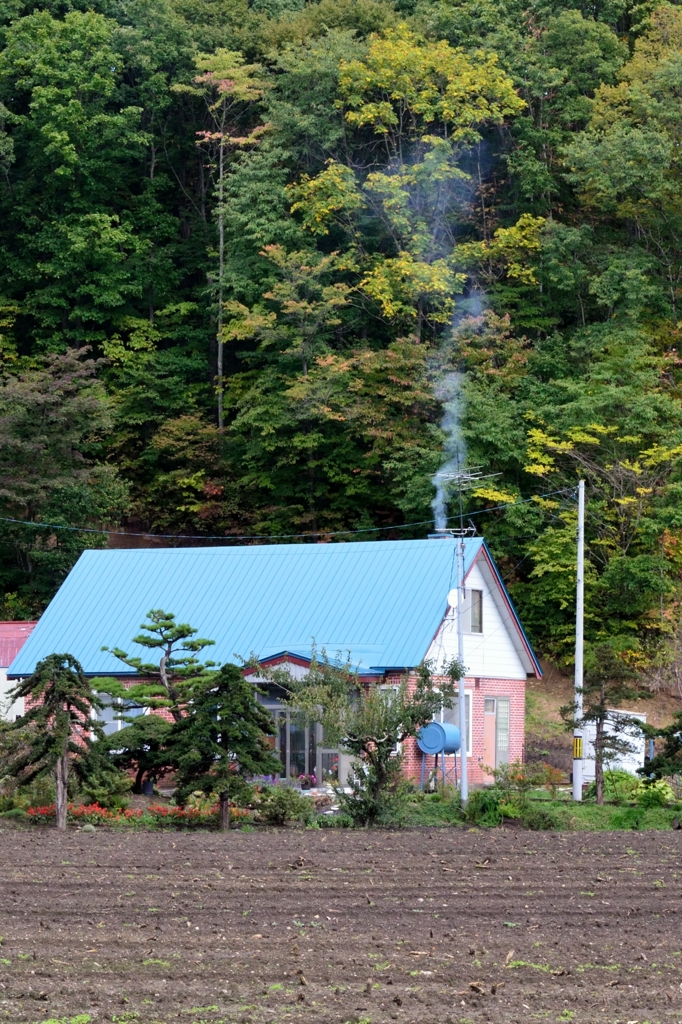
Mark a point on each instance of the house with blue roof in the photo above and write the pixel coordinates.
(383, 604)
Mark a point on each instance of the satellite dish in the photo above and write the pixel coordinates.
(452, 598)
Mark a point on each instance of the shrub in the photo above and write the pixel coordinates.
(40, 791)
(156, 815)
(13, 812)
(100, 781)
(81, 813)
(200, 801)
(189, 817)
(511, 809)
(619, 786)
(95, 814)
(334, 821)
(368, 804)
(654, 794)
(539, 819)
(279, 804)
(516, 780)
(483, 807)
(552, 779)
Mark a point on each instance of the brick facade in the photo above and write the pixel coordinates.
(480, 688)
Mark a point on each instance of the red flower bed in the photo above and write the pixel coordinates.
(158, 814)
(91, 813)
(40, 813)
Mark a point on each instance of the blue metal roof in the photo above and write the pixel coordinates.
(381, 601)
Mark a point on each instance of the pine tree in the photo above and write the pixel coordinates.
(141, 747)
(57, 728)
(167, 683)
(221, 742)
(609, 683)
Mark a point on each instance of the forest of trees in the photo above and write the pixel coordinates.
(250, 253)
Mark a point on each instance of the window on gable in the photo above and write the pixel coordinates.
(476, 611)
(472, 611)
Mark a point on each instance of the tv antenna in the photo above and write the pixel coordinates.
(465, 479)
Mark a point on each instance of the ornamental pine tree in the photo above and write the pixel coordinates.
(167, 683)
(141, 748)
(221, 742)
(57, 728)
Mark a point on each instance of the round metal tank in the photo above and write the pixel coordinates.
(438, 737)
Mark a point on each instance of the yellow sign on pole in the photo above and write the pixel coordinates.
(577, 748)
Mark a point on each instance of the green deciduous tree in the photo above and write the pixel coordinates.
(74, 267)
(227, 84)
(422, 160)
(369, 722)
(53, 417)
(425, 104)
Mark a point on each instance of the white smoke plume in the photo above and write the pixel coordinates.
(449, 391)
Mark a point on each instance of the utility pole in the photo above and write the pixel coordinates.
(463, 724)
(579, 621)
(463, 479)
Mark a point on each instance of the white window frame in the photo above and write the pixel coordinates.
(119, 724)
(466, 612)
(398, 748)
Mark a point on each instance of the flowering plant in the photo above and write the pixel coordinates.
(154, 814)
(87, 813)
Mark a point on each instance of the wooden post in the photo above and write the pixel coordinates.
(62, 778)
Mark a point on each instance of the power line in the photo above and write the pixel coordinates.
(267, 536)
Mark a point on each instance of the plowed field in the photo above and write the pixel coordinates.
(424, 926)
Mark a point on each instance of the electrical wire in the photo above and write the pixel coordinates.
(266, 536)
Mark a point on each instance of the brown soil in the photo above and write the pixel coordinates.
(556, 689)
(423, 926)
(546, 737)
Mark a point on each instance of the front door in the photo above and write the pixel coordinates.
(495, 733)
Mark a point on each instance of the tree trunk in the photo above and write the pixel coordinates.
(224, 823)
(599, 760)
(62, 778)
(175, 711)
(137, 785)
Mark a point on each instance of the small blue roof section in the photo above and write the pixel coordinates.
(381, 601)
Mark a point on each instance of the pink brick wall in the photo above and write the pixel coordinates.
(515, 690)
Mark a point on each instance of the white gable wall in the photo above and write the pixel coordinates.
(9, 711)
(494, 653)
